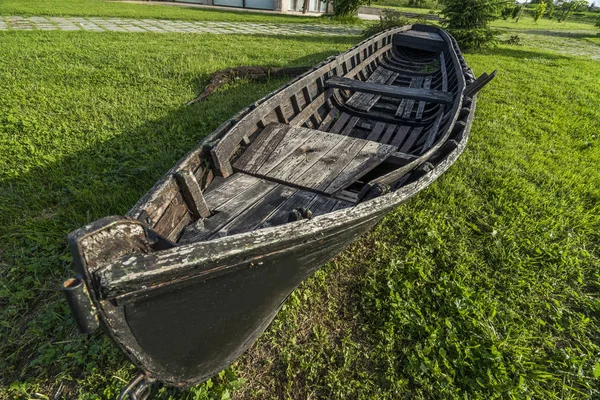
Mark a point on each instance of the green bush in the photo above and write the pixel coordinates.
(388, 19)
(516, 11)
(343, 8)
(468, 21)
(506, 12)
(540, 10)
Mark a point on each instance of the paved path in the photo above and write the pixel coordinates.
(97, 24)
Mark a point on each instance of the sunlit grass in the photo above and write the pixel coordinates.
(486, 285)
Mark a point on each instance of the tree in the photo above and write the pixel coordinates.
(506, 12)
(347, 8)
(516, 11)
(540, 10)
(551, 9)
(568, 6)
(468, 21)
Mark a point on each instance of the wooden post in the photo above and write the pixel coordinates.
(192, 195)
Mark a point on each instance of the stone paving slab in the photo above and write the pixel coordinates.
(97, 24)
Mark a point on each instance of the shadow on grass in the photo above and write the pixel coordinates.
(522, 54)
(39, 208)
(565, 34)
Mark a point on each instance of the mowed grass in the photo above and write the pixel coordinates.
(87, 124)
(106, 8)
(486, 285)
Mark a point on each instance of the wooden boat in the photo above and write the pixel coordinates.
(199, 267)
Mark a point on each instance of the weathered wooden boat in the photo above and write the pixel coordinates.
(195, 272)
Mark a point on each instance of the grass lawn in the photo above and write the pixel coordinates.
(486, 285)
(105, 8)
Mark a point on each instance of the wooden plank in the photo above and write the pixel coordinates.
(400, 159)
(391, 77)
(304, 157)
(339, 124)
(479, 83)
(252, 217)
(346, 196)
(228, 211)
(412, 138)
(300, 199)
(428, 41)
(444, 72)
(421, 35)
(421, 106)
(293, 139)
(433, 131)
(178, 229)
(371, 155)
(376, 132)
(262, 147)
(433, 96)
(228, 188)
(322, 205)
(357, 99)
(410, 103)
(388, 134)
(400, 135)
(351, 124)
(341, 204)
(311, 108)
(326, 169)
(329, 118)
(404, 102)
(175, 211)
(192, 195)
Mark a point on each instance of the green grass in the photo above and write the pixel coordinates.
(527, 23)
(405, 6)
(485, 286)
(87, 124)
(104, 8)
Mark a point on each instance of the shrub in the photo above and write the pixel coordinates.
(468, 21)
(540, 10)
(598, 22)
(516, 11)
(388, 19)
(506, 12)
(344, 8)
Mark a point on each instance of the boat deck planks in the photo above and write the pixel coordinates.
(243, 203)
(327, 163)
(366, 101)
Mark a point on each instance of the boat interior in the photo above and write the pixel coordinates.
(366, 125)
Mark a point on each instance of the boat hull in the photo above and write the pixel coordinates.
(182, 313)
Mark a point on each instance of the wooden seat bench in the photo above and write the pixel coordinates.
(310, 159)
(432, 96)
(430, 41)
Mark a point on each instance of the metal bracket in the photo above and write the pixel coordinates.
(139, 388)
